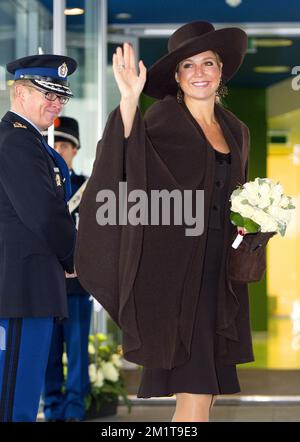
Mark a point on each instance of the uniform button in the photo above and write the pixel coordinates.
(215, 207)
(219, 183)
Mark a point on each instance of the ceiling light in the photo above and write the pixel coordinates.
(233, 3)
(272, 69)
(279, 29)
(74, 11)
(159, 32)
(272, 42)
(123, 16)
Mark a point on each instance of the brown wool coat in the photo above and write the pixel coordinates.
(148, 278)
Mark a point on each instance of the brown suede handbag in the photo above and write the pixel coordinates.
(247, 263)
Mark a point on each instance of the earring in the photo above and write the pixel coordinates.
(179, 95)
(222, 90)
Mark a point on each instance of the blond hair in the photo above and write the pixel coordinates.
(13, 88)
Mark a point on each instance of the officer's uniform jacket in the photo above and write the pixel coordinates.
(37, 233)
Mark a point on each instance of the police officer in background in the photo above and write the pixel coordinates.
(68, 404)
(37, 232)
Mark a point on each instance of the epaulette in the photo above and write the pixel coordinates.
(17, 124)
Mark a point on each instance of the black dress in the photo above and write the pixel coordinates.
(203, 373)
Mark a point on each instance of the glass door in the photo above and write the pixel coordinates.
(26, 26)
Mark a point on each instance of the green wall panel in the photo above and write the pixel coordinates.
(250, 106)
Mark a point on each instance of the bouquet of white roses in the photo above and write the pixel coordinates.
(260, 206)
(105, 363)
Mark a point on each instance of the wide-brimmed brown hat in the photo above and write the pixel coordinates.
(191, 39)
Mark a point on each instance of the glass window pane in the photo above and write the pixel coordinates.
(82, 44)
(26, 26)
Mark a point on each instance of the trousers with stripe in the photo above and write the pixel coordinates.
(64, 399)
(24, 350)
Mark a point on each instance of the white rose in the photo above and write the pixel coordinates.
(259, 217)
(116, 360)
(250, 193)
(270, 225)
(110, 372)
(284, 202)
(243, 194)
(265, 190)
(260, 181)
(280, 215)
(249, 187)
(285, 216)
(99, 378)
(275, 212)
(256, 182)
(254, 199)
(246, 211)
(264, 202)
(91, 349)
(236, 204)
(276, 193)
(92, 373)
(269, 181)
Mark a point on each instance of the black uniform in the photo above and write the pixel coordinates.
(37, 233)
(64, 398)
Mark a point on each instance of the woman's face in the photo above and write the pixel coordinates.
(199, 76)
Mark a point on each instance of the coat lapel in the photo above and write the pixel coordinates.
(233, 136)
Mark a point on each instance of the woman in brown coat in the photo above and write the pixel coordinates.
(181, 316)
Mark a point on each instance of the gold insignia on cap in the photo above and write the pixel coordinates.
(17, 124)
(58, 180)
(63, 70)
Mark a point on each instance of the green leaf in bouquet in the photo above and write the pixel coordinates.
(251, 226)
(236, 219)
(239, 220)
(282, 228)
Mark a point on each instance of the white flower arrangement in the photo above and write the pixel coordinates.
(260, 206)
(107, 383)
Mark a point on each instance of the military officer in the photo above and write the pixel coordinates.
(67, 404)
(37, 232)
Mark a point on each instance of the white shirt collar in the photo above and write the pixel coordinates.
(30, 122)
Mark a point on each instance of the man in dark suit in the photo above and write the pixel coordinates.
(37, 232)
(67, 404)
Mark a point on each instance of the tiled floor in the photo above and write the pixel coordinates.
(251, 413)
(225, 410)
